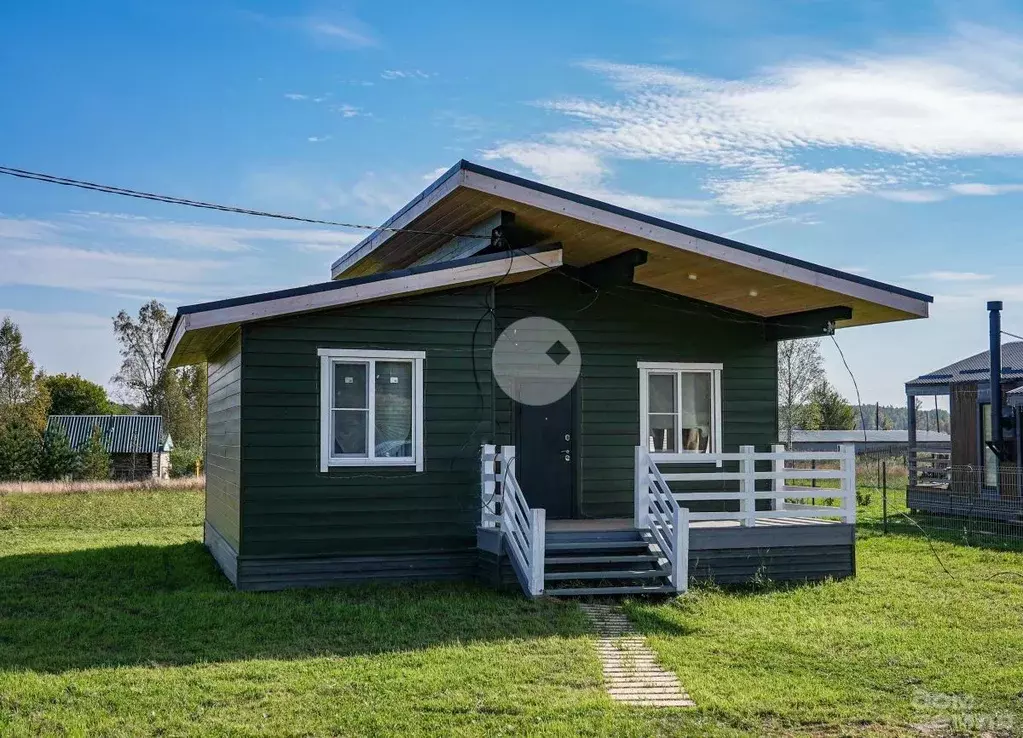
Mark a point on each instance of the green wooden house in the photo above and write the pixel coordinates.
(361, 428)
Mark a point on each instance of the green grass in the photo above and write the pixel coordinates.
(114, 621)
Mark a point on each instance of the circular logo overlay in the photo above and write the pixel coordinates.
(536, 361)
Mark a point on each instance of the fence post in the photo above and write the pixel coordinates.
(778, 483)
(488, 486)
(848, 466)
(884, 495)
(537, 549)
(748, 487)
(680, 566)
(641, 493)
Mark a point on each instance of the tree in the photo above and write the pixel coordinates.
(72, 395)
(831, 409)
(93, 459)
(19, 450)
(800, 369)
(57, 459)
(143, 375)
(22, 394)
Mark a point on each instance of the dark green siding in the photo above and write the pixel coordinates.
(290, 507)
(223, 441)
(626, 325)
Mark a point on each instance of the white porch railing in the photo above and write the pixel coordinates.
(658, 513)
(739, 471)
(504, 507)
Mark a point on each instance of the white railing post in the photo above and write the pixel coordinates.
(641, 494)
(848, 466)
(537, 550)
(488, 486)
(680, 554)
(778, 482)
(748, 487)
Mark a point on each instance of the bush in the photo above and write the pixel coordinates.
(183, 460)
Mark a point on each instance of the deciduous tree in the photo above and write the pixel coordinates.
(72, 395)
(22, 394)
(800, 369)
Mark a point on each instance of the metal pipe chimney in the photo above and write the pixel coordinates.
(995, 335)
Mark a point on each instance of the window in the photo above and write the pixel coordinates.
(987, 435)
(680, 408)
(371, 408)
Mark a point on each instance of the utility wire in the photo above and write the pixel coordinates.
(172, 200)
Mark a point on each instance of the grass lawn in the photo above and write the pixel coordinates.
(114, 621)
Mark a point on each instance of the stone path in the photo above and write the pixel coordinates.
(631, 672)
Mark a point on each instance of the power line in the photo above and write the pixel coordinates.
(173, 200)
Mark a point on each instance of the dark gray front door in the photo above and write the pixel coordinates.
(545, 466)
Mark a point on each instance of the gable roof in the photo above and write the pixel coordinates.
(682, 260)
(976, 368)
(122, 434)
(199, 329)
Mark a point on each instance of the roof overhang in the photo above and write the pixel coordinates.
(198, 330)
(681, 260)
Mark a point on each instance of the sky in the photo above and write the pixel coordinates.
(876, 137)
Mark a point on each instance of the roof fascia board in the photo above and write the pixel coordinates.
(687, 242)
(407, 284)
(429, 197)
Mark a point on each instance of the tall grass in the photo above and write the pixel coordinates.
(103, 485)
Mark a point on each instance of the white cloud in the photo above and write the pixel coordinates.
(318, 139)
(854, 269)
(220, 238)
(945, 99)
(69, 342)
(348, 111)
(392, 74)
(94, 270)
(346, 32)
(295, 96)
(945, 276)
(915, 196)
(985, 190)
(584, 172)
(26, 229)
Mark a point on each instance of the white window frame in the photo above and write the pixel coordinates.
(328, 358)
(646, 368)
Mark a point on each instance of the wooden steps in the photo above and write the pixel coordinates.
(603, 563)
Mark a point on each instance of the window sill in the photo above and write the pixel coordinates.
(342, 463)
(666, 456)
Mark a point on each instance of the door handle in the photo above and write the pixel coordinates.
(567, 451)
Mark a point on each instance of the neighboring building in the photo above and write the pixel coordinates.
(868, 442)
(138, 447)
(971, 475)
(352, 424)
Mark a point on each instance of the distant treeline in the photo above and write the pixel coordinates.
(895, 417)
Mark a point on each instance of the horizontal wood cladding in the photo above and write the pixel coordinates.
(264, 574)
(291, 509)
(223, 553)
(223, 442)
(619, 327)
(775, 564)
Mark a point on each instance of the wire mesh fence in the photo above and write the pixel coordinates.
(971, 505)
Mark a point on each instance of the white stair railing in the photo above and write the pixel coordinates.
(739, 471)
(504, 507)
(658, 512)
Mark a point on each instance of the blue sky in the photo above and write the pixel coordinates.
(882, 138)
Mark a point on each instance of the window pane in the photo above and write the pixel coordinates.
(350, 385)
(350, 432)
(662, 433)
(696, 411)
(393, 409)
(662, 393)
